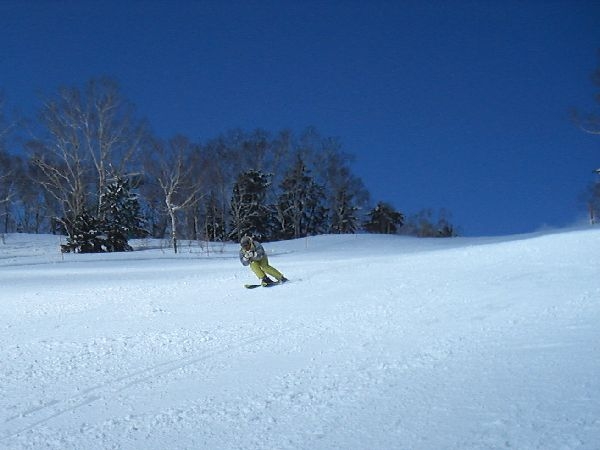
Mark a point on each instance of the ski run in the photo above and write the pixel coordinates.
(379, 342)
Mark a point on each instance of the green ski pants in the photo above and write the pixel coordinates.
(262, 267)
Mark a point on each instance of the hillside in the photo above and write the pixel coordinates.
(379, 342)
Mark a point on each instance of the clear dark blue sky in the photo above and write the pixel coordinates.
(462, 105)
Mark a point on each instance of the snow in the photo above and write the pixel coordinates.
(378, 342)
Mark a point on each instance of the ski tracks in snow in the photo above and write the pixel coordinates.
(35, 416)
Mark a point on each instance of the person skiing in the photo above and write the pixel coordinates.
(252, 253)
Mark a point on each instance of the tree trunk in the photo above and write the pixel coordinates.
(173, 228)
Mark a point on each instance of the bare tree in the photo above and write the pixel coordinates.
(346, 193)
(175, 176)
(91, 137)
(590, 122)
(7, 169)
(219, 181)
(7, 191)
(111, 134)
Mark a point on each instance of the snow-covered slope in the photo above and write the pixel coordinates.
(379, 342)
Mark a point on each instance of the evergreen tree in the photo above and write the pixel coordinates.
(384, 219)
(85, 234)
(343, 218)
(249, 214)
(300, 209)
(119, 219)
(120, 215)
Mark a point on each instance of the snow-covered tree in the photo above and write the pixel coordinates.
(119, 219)
(86, 234)
(120, 215)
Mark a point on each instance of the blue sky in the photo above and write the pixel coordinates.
(462, 105)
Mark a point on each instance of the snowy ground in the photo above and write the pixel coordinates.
(379, 342)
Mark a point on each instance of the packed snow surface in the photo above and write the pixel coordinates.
(378, 342)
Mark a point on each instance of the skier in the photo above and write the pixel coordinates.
(253, 254)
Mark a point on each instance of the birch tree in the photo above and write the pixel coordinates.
(175, 176)
(90, 137)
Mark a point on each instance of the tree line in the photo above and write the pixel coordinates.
(89, 168)
(590, 123)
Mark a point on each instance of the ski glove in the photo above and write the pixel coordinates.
(249, 255)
